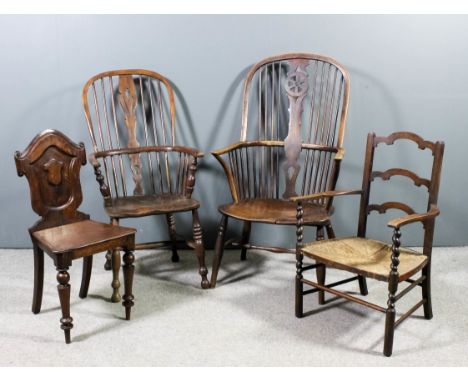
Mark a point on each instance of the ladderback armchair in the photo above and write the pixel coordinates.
(366, 257)
(291, 143)
(140, 169)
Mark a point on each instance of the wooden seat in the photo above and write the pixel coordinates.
(366, 257)
(145, 205)
(80, 237)
(275, 211)
(52, 164)
(141, 171)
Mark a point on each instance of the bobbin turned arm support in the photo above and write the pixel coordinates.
(400, 222)
(99, 177)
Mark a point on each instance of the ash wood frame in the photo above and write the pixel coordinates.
(236, 150)
(394, 278)
(188, 155)
(52, 164)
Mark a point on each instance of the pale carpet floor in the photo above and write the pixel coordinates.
(248, 320)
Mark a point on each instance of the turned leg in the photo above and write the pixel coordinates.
(200, 249)
(128, 271)
(170, 219)
(108, 263)
(299, 286)
(245, 239)
(219, 249)
(64, 295)
(320, 270)
(38, 278)
(115, 271)
(426, 291)
(392, 289)
(86, 276)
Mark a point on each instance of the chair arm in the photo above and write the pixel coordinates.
(325, 194)
(145, 149)
(400, 222)
(105, 192)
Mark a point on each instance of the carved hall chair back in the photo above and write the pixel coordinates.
(141, 171)
(52, 164)
(293, 122)
(382, 261)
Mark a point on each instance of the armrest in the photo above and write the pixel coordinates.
(326, 194)
(400, 222)
(137, 150)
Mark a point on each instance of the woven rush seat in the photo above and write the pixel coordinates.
(274, 211)
(366, 257)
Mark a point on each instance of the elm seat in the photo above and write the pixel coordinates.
(275, 211)
(83, 235)
(145, 205)
(366, 257)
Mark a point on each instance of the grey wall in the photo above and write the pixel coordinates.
(407, 73)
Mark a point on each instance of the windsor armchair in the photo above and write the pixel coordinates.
(291, 143)
(52, 166)
(131, 120)
(372, 258)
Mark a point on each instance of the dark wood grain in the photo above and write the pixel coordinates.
(139, 168)
(51, 164)
(370, 258)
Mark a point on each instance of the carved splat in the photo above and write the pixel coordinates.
(296, 88)
(52, 164)
(128, 101)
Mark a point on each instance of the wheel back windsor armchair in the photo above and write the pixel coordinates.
(131, 120)
(293, 124)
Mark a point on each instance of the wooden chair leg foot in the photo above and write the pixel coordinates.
(219, 249)
(115, 276)
(321, 269)
(171, 224)
(389, 332)
(86, 276)
(128, 271)
(245, 239)
(64, 295)
(299, 302)
(426, 293)
(363, 285)
(38, 279)
(200, 249)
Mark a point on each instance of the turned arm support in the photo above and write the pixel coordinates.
(400, 222)
(105, 192)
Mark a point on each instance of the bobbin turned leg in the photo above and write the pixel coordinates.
(245, 239)
(219, 249)
(392, 289)
(128, 271)
(200, 249)
(299, 286)
(38, 279)
(64, 295)
(170, 219)
(320, 270)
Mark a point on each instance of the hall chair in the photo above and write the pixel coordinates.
(140, 169)
(366, 257)
(293, 121)
(51, 164)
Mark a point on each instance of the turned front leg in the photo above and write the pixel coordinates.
(299, 304)
(128, 271)
(115, 270)
(64, 295)
(200, 249)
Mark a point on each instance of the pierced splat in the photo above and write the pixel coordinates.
(128, 101)
(296, 87)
